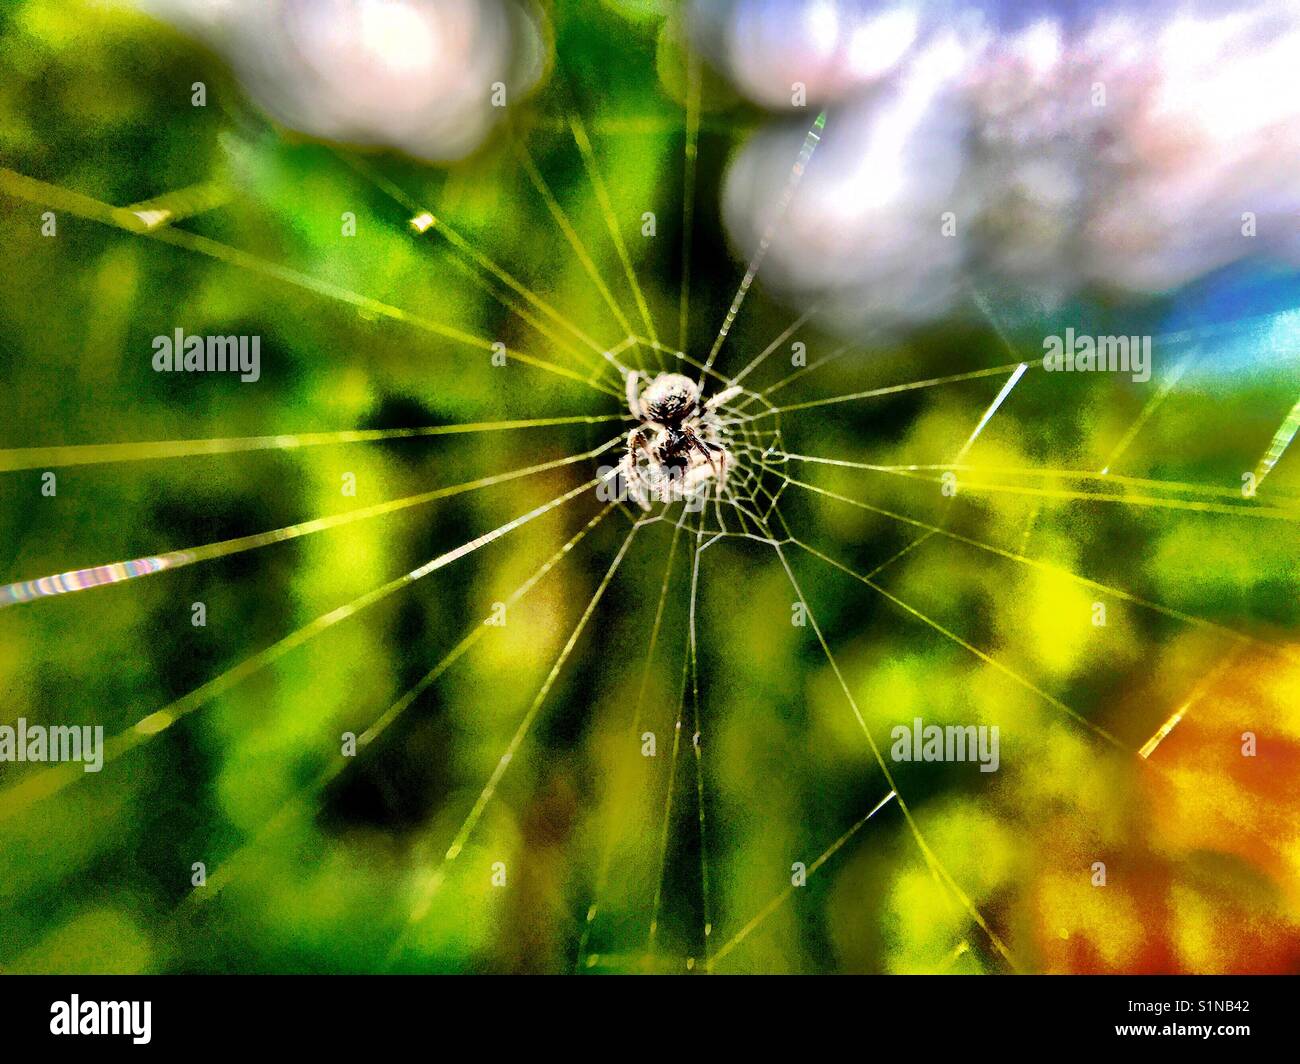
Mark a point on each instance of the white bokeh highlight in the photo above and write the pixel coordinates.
(414, 75)
(996, 119)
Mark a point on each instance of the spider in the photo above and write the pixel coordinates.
(679, 437)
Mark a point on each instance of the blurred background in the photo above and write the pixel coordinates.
(381, 191)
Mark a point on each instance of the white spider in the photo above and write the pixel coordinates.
(678, 447)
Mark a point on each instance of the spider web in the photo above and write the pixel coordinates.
(661, 873)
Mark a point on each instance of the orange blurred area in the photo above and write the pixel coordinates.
(1206, 881)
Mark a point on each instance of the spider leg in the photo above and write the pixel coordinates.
(634, 395)
(722, 397)
(703, 447)
(636, 441)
